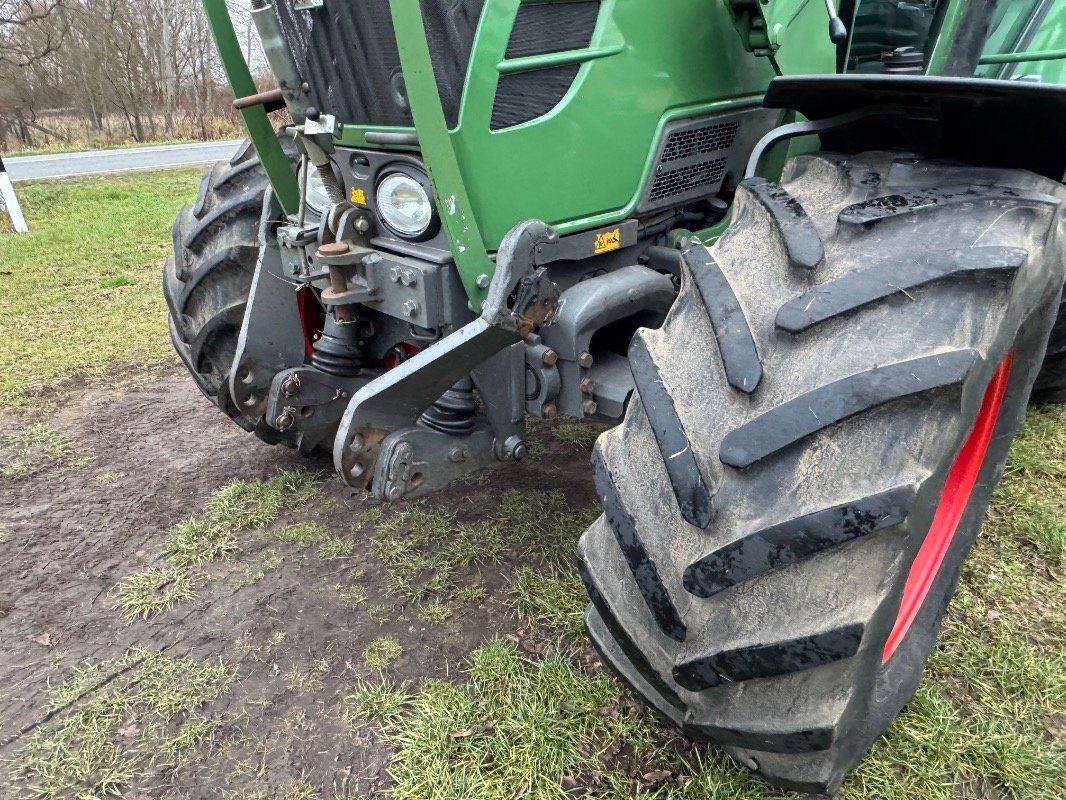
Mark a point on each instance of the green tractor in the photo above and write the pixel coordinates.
(808, 258)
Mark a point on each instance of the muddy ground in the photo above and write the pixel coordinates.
(139, 460)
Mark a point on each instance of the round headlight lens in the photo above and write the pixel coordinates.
(317, 197)
(404, 205)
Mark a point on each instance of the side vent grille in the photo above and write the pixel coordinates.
(553, 28)
(676, 183)
(699, 141)
(693, 160)
(522, 96)
(540, 29)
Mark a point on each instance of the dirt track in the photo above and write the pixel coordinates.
(150, 456)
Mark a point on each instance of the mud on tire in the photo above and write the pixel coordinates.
(207, 280)
(796, 421)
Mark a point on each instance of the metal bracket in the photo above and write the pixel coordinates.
(416, 461)
(306, 404)
(520, 297)
(271, 337)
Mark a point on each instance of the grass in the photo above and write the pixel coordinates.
(381, 702)
(31, 447)
(301, 533)
(538, 524)
(382, 652)
(434, 612)
(80, 269)
(515, 728)
(212, 536)
(555, 600)
(115, 719)
(152, 591)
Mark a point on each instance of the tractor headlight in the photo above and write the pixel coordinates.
(317, 197)
(404, 204)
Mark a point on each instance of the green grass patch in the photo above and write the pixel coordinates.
(424, 547)
(155, 590)
(117, 282)
(31, 447)
(301, 533)
(434, 612)
(79, 239)
(379, 702)
(382, 652)
(213, 536)
(555, 600)
(254, 504)
(197, 541)
(514, 727)
(115, 720)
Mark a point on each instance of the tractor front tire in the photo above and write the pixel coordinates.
(207, 280)
(817, 430)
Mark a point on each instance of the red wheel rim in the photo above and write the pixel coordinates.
(953, 502)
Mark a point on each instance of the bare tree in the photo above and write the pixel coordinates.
(25, 33)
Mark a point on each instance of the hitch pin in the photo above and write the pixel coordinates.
(838, 34)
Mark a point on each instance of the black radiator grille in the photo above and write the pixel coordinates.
(677, 182)
(692, 161)
(710, 139)
(347, 52)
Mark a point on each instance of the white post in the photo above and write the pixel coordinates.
(7, 195)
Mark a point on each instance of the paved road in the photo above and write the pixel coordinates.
(98, 162)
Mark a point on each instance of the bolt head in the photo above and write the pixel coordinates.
(519, 451)
(589, 407)
(483, 281)
(362, 224)
(408, 277)
(357, 470)
(457, 455)
(284, 421)
(395, 492)
(587, 385)
(584, 360)
(549, 357)
(410, 308)
(550, 411)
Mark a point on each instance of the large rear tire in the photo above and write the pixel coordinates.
(207, 280)
(817, 430)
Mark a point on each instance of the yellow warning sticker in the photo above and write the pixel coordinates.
(608, 241)
(358, 196)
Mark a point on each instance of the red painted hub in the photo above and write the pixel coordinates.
(953, 501)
